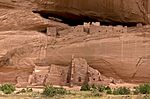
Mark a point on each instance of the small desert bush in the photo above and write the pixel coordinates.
(108, 90)
(95, 88)
(101, 88)
(142, 89)
(85, 87)
(121, 91)
(52, 91)
(105, 89)
(7, 88)
(25, 90)
(29, 90)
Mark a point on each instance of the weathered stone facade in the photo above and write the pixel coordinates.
(80, 70)
(54, 75)
(95, 27)
(57, 75)
(83, 73)
(52, 31)
(77, 73)
(39, 75)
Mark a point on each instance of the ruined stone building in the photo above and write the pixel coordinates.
(52, 31)
(57, 75)
(83, 73)
(95, 27)
(77, 73)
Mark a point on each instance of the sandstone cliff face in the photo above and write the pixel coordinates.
(122, 56)
(117, 55)
(20, 39)
(121, 11)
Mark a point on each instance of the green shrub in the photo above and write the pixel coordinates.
(52, 91)
(121, 91)
(101, 88)
(61, 91)
(143, 89)
(25, 90)
(93, 87)
(136, 90)
(29, 90)
(7, 88)
(95, 92)
(22, 91)
(85, 87)
(108, 90)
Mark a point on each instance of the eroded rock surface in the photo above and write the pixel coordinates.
(114, 52)
(121, 11)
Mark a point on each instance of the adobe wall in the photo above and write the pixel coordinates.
(82, 73)
(94, 76)
(95, 27)
(80, 70)
(57, 75)
(52, 31)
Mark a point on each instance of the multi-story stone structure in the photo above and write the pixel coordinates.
(77, 73)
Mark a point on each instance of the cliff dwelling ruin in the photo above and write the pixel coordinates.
(109, 39)
(77, 73)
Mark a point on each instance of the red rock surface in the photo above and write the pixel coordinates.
(122, 56)
(121, 11)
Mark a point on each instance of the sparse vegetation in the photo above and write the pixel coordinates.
(85, 87)
(7, 88)
(52, 91)
(121, 91)
(25, 90)
(101, 88)
(142, 89)
(94, 86)
(93, 91)
(108, 90)
(96, 89)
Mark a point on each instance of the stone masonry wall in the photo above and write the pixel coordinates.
(57, 75)
(80, 70)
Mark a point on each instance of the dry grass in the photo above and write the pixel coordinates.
(73, 95)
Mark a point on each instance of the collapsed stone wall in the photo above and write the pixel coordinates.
(57, 75)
